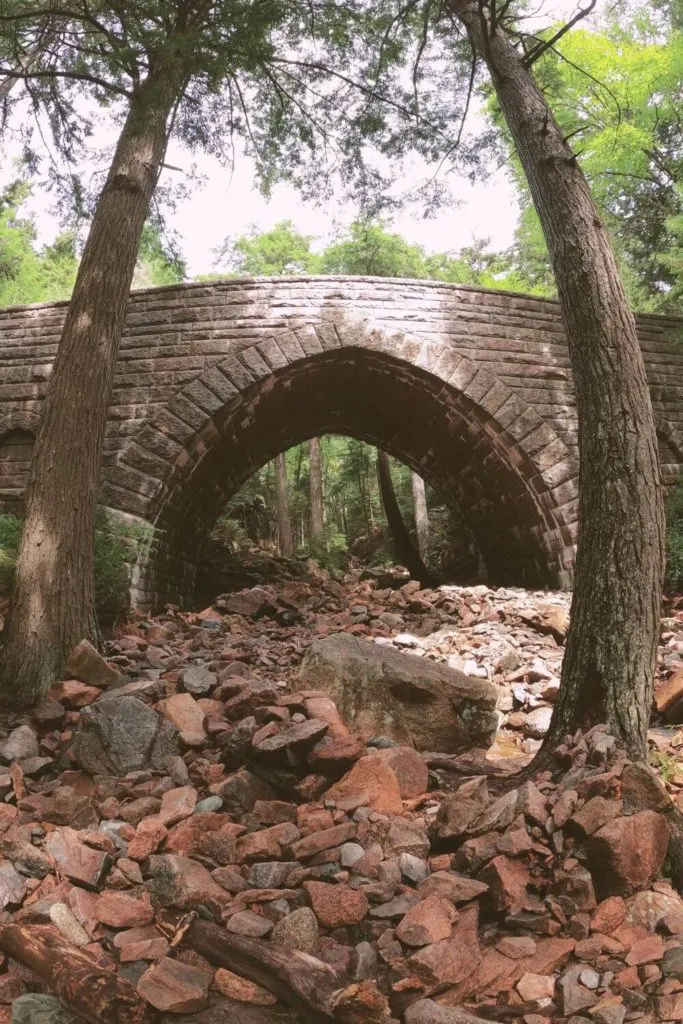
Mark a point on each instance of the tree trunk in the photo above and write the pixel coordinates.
(609, 661)
(315, 470)
(53, 598)
(310, 986)
(284, 521)
(406, 551)
(421, 514)
(96, 994)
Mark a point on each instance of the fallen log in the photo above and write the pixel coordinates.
(99, 996)
(303, 982)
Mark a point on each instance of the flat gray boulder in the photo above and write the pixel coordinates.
(381, 691)
(118, 735)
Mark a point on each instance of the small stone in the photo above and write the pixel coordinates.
(12, 885)
(118, 735)
(610, 1010)
(573, 996)
(507, 879)
(174, 987)
(593, 815)
(536, 986)
(299, 930)
(177, 804)
(271, 874)
(74, 694)
(65, 921)
(429, 921)
(183, 883)
(198, 681)
(452, 886)
(240, 989)
(246, 922)
(326, 839)
(75, 860)
(609, 914)
(87, 664)
(336, 906)
(396, 907)
(409, 768)
(537, 723)
(416, 869)
(516, 947)
(117, 910)
(186, 715)
(350, 853)
(372, 779)
(627, 853)
(34, 1008)
(149, 836)
(293, 737)
(645, 950)
(210, 803)
(669, 693)
(21, 743)
(589, 978)
(146, 943)
(461, 808)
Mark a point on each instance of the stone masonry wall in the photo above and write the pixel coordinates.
(472, 388)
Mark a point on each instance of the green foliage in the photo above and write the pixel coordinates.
(282, 250)
(230, 534)
(674, 542)
(29, 275)
(664, 764)
(158, 262)
(117, 545)
(617, 94)
(368, 249)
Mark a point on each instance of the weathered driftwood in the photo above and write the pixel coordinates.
(303, 982)
(98, 995)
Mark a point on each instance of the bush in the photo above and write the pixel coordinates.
(674, 540)
(117, 545)
(230, 534)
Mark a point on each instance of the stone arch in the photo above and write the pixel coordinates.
(462, 429)
(17, 438)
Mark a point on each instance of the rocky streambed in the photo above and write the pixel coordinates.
(294, 805)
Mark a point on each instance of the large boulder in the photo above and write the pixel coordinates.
(381, 691)
(118, 735)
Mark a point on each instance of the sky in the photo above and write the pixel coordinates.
(227, 203)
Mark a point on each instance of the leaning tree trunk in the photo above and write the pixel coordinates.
(609, 661)
(315, 470)
(53, 604)
(421, 514)
(405, 550)
(284, 520)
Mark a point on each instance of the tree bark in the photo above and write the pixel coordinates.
(310, 986)
(53, 605)
(421, 514)
(97, 995)
(315, 470)
(609, 661)
(284, 519)
(406, 551)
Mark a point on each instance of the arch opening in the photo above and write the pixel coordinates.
(272, 515)
(515, 494)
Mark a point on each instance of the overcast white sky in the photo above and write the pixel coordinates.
(228, 204)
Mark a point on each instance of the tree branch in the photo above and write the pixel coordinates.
(532, 57)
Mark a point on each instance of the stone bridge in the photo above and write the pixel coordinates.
(471, 388)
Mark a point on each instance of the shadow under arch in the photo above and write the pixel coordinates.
(460, 428)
